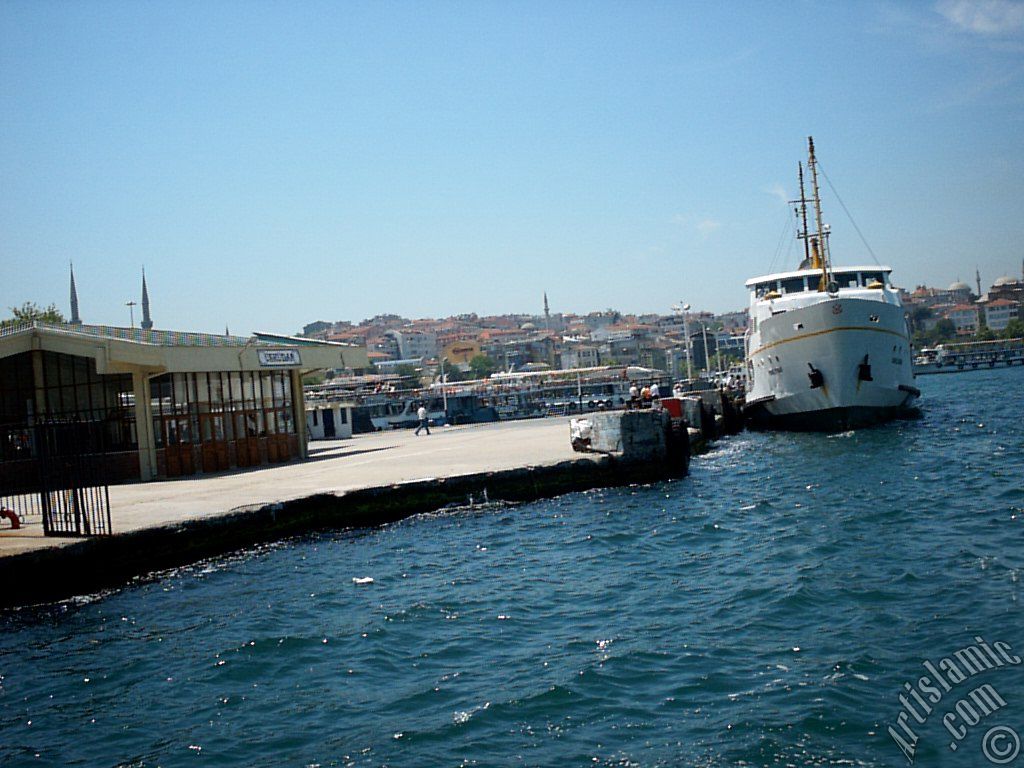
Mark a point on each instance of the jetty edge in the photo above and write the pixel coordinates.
(90, 565)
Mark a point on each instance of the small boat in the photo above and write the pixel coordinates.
(970, 356)
(827, 348)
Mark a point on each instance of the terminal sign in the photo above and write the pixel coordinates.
(270, 358)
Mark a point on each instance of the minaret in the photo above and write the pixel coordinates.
(977, 280)
(147, 321)
(75, 319)
(547, 312)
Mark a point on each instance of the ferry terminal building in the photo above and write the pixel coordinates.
(157, 404)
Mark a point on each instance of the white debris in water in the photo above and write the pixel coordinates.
(362, 580)
(463, 717)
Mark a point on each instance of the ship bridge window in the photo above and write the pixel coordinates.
(793, 285)
(846, 279)
(869, 277)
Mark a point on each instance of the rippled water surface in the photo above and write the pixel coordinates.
(765, 610)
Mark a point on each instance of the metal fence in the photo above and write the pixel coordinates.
(59, 478)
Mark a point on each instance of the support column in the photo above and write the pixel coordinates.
(39, 382)
(144, 425)
(299, 412)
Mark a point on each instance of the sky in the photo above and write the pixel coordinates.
(274, 163)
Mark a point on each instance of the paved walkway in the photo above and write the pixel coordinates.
(337, 466)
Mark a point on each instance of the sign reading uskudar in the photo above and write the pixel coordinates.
(279, 357)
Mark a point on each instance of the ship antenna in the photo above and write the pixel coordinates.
(803, 215)
(822, 234)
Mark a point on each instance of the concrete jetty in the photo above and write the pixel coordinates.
(369, 480)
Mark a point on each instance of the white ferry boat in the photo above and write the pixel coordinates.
(827, 348)
(970, 356)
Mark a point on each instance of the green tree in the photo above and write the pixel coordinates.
(406, 371)
(985, 334)
(1014, 330)
(482, 366)
(30, 311)
(918, 315)
(921, 313)
(944, 330)
(452, 372)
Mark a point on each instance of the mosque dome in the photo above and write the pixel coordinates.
(959, 285)
(528, 327)
(1004, 280)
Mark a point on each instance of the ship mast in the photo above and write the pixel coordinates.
(803, 215)
(822, 233)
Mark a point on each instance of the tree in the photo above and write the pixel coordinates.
(482, 366)
(985, 334)
(407, 371)
(921, 313)
(944, 330)
(30, 311)
(1014, 329)
(452, 372)
(918, 316)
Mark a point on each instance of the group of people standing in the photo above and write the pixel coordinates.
(643, 397)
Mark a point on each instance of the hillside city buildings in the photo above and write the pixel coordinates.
(535, 342)
(519, 342)
(969, 310)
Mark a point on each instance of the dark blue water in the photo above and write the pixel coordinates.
(764, 611)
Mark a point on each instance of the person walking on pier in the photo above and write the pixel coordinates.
(421, 414)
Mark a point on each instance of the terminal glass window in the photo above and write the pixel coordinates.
(217, 406)
(17, 390)
(73, 391)
(69, 391)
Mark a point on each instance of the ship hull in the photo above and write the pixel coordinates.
(838, 364)
(827, 420)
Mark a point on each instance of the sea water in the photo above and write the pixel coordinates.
(769, 609)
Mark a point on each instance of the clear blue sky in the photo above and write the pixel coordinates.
(274, 163)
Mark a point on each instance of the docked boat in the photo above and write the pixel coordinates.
(970, 356)
(827, 348)
(381, 403)
(567, 391)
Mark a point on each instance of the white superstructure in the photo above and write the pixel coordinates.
(827, 347)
